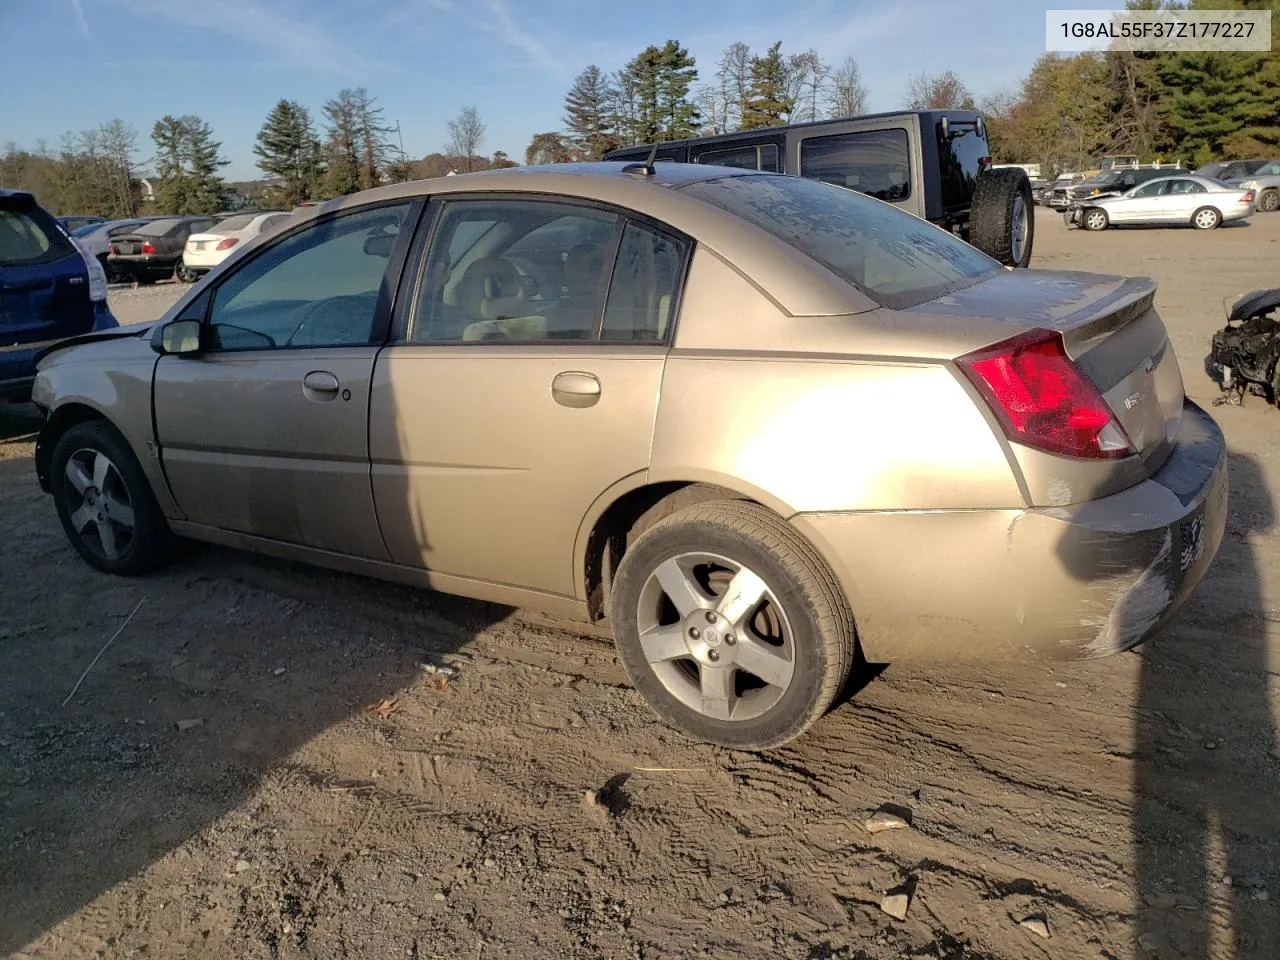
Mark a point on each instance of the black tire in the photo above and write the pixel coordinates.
(1206, 218)
(150, 540)
(1001, 202)
(1269, 201)
(1095, 219)
(810, 604)
(186, 276)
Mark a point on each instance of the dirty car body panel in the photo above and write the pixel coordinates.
(895, 410)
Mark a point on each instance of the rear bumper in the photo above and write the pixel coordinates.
(148, 268)
(203, 261)
(1058, 583)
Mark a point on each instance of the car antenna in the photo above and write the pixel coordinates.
(645, 169)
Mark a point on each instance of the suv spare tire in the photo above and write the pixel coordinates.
(1002, 221)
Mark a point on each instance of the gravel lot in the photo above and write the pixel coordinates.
(219, 786)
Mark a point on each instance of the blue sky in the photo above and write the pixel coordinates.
(73, 64)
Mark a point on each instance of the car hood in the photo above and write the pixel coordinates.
(140, 331)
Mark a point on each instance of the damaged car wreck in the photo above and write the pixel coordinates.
(1243, 354)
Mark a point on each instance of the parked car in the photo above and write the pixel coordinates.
(1112, 183)
(153, 251)
(655, 396)
(1176, 201)
(1228, 169)
(935, 164)
(1265, 182)
(49, 290)
(75, 222)
(94, 239)
(206, 250)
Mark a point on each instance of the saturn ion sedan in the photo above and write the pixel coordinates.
(1174, 201)
(755, 423)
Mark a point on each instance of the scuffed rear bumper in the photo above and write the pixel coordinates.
(1056, 583)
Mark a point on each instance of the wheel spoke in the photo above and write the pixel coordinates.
(120, 512)
(661, 644)
(100, 467)
(763, 661)
(82, 518)
(681, 588)
(76, 474)
(741, 597)
(718, 698)
(110, 545)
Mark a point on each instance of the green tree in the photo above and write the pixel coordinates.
(172, 184)
(342, 145)
(187, 164)
(654, 94)
(768, 101)
(287, 147)
(589, 113)
(549, 147)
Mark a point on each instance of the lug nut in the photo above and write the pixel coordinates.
(712, 656)
(711, 616)
(730, 639)
(695, 632)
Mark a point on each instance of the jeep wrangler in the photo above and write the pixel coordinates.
(935, 164)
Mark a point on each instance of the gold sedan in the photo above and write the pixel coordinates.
(752, 421)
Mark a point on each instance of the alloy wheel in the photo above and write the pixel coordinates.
(98, 503)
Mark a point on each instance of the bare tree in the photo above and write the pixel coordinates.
(465, 133)
(120, 142)
(733, 82)
(807, 76)
(848, 95)
(938, 92)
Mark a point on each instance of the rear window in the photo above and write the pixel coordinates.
(157, 228)
(895, 258)
(27, 238)
(232, 224)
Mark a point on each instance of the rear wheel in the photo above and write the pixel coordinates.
(1269, 202)
(1002, 216)
(105, 502)
(730, 625)
(185, 273)
(1094, 219)
(1206, 218)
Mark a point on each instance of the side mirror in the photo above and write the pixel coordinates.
(178, 338)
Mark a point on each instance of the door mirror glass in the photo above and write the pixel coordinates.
(177, 338)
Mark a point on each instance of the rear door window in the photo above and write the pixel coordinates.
(874, 162)
(761, 156)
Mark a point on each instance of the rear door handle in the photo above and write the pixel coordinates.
(320, 385)
(574, 388)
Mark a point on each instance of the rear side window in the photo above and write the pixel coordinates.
(27, 238)
(874, 162)
(762, 156)
(895, 258)
(642, 293)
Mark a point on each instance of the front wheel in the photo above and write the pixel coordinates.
(185, 273)
(1094, 219)
(730, 625)
(1206, 218)
(105, 503)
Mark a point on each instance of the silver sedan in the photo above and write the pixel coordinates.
(1180, 200)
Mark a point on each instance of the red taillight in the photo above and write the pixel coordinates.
(227, 244)
(148, 247)
(983, 163)
(1248, 197)
(1042, 400)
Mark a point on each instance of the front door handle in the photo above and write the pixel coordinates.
(575, 389)
(320, 385)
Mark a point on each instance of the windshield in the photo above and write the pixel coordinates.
(896, 258)
(87, 229)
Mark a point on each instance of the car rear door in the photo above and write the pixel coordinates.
(1184, 197)
(508, 407)
(265, 431)
(44, 280)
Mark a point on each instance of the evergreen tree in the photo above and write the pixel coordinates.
(768, 102)
(373, 147)
(589, 113)
(187, 165)
(676, 75)
(171, 187)
(342, 146)
(654, 91)
(287, 148)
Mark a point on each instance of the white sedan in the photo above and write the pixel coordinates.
(1181, 200)
(204, 251)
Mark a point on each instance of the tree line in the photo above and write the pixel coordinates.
(1068, 111)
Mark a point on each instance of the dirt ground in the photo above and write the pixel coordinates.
(217, 787)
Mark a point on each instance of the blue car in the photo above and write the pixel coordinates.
(49, 290)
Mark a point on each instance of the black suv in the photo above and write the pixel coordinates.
(935, 164)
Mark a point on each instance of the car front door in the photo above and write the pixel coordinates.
(265, 431)
(1141, 205)
(524, 386)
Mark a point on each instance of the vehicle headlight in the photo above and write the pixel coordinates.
(42, 391)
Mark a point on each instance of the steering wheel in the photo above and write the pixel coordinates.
(339, 313)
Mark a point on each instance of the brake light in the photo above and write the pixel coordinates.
(983, 163)
(1042, 399)
(1248, 197)
(148, 247)
(227, 244)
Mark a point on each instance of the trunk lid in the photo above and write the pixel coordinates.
(1112, 333)
(44, 279)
